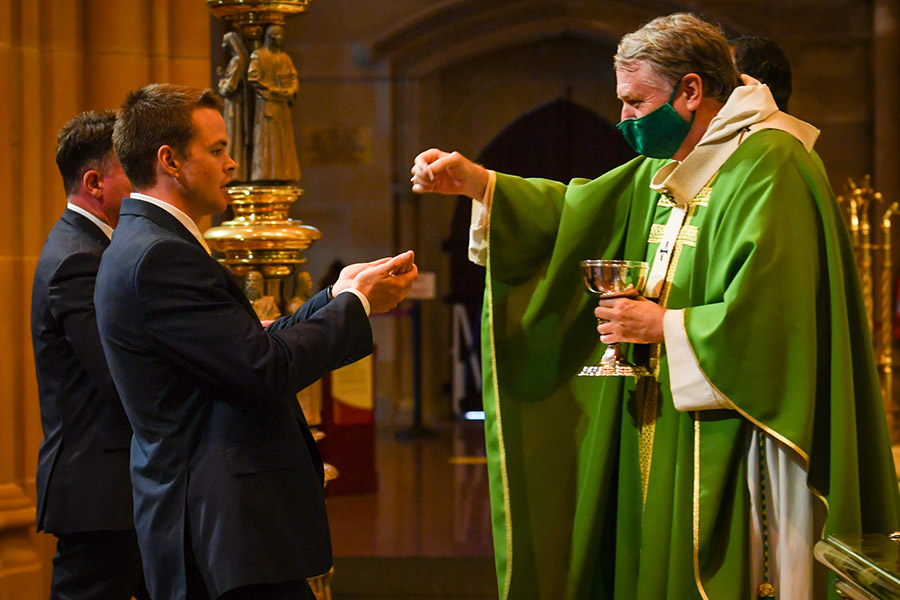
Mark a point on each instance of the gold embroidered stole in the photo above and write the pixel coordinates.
(647, 388)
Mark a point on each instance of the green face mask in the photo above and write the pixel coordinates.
(659, 133)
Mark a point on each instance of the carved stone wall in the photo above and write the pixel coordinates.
(58, 58)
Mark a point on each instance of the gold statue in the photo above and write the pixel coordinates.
(303, 291)
(263, 305)
(272, 75)
(231, 87)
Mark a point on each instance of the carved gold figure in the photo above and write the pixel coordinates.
(272, 75)
(232, 88)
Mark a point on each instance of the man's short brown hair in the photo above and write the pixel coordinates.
(679, 44)
(156, 115)
(84, 143)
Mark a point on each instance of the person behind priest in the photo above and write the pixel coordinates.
(83, 484)
(765, 61)
(227, 479)
(762, 423)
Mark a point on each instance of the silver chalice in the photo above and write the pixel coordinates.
(614, 279)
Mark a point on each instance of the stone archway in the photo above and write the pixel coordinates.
(560, 140)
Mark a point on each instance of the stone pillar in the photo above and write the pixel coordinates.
(24, 112)
(58, 58)
(886, 108)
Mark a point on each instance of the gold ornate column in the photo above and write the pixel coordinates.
(261, 245)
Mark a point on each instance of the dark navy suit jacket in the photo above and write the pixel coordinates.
(221, 455)
(83, 482)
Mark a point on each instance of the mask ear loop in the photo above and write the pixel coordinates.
(675, 91)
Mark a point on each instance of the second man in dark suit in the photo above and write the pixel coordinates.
(227, 478)
(83, 484)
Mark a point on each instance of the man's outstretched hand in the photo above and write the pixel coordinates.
(384, 282)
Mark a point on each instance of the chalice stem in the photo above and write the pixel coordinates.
(611, 356)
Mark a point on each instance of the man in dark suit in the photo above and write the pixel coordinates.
(227, 478)
(83, 484)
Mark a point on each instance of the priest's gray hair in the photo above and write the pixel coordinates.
(679, 44)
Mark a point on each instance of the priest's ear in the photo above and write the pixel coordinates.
(692, 86)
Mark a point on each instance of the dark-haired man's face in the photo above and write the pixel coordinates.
(206, 168)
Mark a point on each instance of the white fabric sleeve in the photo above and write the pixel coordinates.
(690, 388)
(792, 522)
(361, 296)
(481, 217)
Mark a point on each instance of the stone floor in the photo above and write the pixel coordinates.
(426, 532)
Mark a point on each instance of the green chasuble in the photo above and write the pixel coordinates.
(599, 487)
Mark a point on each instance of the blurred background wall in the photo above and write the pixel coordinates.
(509, 81)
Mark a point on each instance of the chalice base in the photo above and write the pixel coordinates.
(614, 370)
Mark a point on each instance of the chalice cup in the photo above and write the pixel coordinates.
(614, 279)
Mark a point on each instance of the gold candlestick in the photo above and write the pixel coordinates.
(862, 207)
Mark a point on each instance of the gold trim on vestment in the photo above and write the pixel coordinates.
(665, 201)
(701, 199)
(687, 234)
(648, 392)
(503, 472)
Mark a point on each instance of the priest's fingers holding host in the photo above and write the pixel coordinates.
(448, 173)
(630, 320)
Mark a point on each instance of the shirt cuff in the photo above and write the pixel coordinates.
(360, 295)
(481, 216)
(691, 390)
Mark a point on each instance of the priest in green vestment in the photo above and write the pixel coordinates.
(761, 428)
